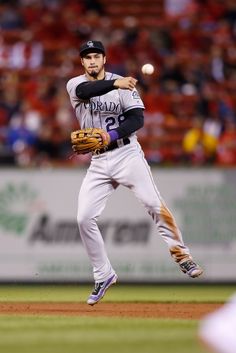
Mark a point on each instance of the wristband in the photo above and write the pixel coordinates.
(113, 135)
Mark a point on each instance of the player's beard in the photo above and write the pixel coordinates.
(94, 74)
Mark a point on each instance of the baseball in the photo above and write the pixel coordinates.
(147, 69)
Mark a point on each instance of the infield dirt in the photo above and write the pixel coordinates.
(146, 310)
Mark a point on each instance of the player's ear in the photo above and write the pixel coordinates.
(104, 60)
(82, 61)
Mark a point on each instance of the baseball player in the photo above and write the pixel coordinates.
(217, 330)
(105, 100)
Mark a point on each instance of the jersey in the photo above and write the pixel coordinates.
(105, 111)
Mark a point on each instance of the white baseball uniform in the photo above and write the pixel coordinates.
(126, 166)
(217, 329)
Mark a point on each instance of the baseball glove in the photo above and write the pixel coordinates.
(89, 140)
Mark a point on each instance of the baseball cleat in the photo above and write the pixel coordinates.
(100, 290)
(191, 268)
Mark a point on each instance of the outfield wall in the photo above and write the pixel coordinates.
(40, 240)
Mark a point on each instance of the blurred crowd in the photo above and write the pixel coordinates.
(190, 100)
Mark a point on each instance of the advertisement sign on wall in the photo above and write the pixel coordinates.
(40, 240)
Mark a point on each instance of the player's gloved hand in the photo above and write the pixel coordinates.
(89, 140)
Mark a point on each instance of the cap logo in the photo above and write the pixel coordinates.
(90, 44)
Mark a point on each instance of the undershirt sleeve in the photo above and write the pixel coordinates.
(87, 90)
(134, 120)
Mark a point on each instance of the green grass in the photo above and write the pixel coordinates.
(101, 335)
(64, 334)
(119, 293)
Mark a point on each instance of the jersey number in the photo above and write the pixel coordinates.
(111, 121)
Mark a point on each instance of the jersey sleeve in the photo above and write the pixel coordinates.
(130, 99)
(71, 89)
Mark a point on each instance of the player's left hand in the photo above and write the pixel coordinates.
(89, 140)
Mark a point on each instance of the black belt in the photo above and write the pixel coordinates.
(114, 145)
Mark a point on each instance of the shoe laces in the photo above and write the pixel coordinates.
(97, 287)
(189, 265)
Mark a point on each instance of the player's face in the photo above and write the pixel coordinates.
(93, 64)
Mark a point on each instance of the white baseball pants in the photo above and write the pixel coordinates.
(122, 166)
